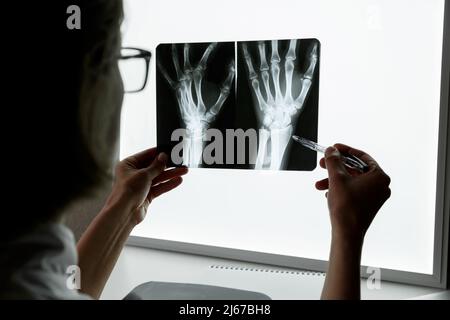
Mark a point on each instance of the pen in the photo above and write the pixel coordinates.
(349, 160)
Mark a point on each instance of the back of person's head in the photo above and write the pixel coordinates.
(63, 118)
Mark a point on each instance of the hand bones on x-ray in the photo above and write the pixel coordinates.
(278, 111)
(197, 117)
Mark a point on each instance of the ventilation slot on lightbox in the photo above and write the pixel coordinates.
(268, 270)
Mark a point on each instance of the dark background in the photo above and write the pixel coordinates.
(297, 157)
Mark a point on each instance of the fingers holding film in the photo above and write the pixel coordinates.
(169, 174)
(164, 187)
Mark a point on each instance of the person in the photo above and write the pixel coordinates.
(77, 146)
(353, 201)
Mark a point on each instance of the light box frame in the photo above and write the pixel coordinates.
(439, 276)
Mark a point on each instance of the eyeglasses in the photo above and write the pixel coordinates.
(133, 65)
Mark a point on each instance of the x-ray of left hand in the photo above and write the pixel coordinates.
(190, 89)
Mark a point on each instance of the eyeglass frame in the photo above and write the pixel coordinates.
(141, 54)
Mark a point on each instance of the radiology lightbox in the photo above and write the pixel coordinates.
(383, 67)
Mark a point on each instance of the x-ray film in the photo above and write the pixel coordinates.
(237, 104)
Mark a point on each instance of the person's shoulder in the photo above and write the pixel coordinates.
(41, 265)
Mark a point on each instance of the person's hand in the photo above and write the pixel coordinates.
(353, 198)
(141, 178)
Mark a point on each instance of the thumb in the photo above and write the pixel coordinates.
(334, 163)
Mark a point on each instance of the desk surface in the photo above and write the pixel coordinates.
(138, 265)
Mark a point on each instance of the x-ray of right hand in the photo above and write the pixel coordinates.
(197, 117)
(278, 109)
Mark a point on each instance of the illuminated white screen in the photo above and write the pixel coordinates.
(380, 73)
